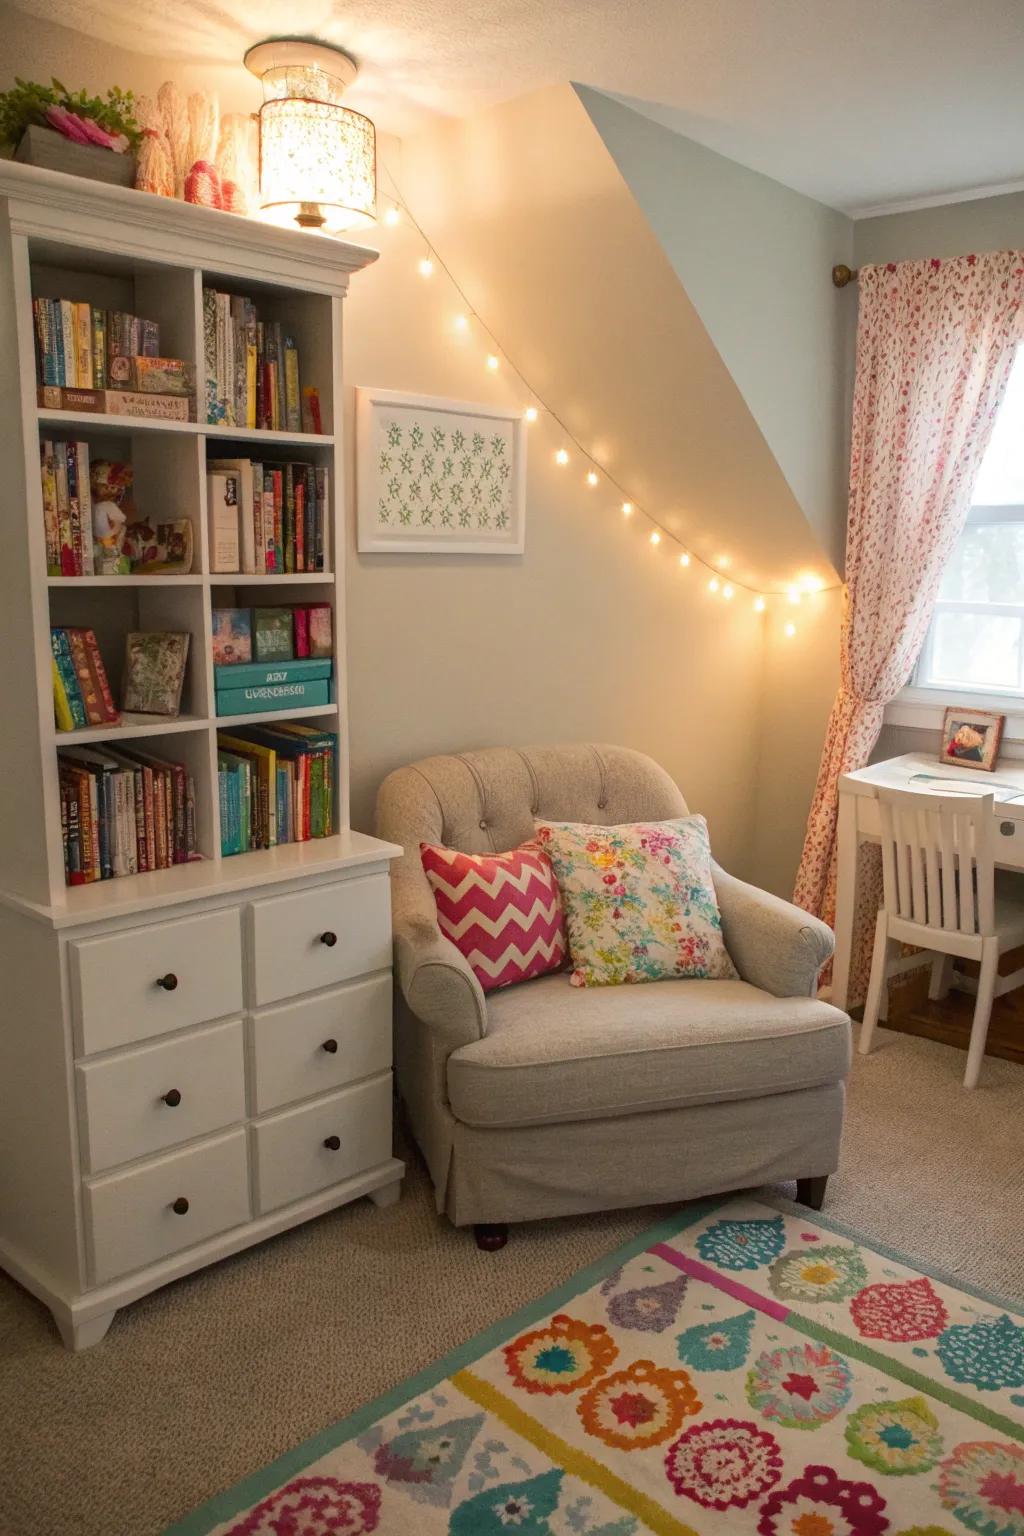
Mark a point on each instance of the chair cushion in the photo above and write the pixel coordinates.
(639, 900)
(555, 1053)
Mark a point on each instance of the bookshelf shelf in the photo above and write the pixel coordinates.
(96, 421)
(87, 583)
(131, 726)
(285, 579)
(271, 716)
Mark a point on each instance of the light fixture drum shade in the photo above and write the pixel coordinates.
(320, 155)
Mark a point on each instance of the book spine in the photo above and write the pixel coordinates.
(80, 451)
(99, 348)
(147, 808)
(99, 673)
(45, 354)
(149, 339)
(210, 384)
(309, 513)
(289, 519)
(87, 686)
(51, 519)
(300, 620)
(131, 841)
(247, 519)
(83, 346)
(73, 873)
(323, 553)
(67, 553)
(191, 836)
(299, 494)
(69, 352)
(118, 847)
(277, 491)
(57, 341)
(251, 366)
(292, 393)
(74, 510)
(180, 813)
(69, 678)
(259, 514)
(139, 808)
(280, 409)
(61, 708)
(105, 789)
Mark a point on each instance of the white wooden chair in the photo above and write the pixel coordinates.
(938, 874)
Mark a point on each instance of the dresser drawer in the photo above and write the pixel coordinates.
(145, 981)
(131, 1218)
(321, 1042)
(321, 936)
(142, 1101)
(296, 1153)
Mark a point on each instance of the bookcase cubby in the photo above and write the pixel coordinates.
(209, 971)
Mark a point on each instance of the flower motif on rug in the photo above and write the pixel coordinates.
(563, 1356)
(801, 1387)
(717, 1346)
(821, 1503)
(427, 1461)
(743, 1244)
(649, 1308)
(313, 1504)
(989, 1354)
(513, 1509)
(640, 1406)
(818, 1274)
(724, 1464)
(898, 1438)
(982, 1483)
(899, 1313)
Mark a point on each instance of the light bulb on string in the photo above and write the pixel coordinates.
(392, 216)
(793, 593)
(530, 414)
(627, 509)
(714, 584)
(591, 477)
(655, 537)
(492, 362)
(759, 605)
(684, 559)
(790, 629)
(727, 591)
(426, 267)
(461, 322)
(562, 456)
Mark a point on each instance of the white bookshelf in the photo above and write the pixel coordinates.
(63, 237)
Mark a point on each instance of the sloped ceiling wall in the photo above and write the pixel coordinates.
(556, 252)
(755, 260)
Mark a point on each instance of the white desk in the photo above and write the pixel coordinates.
(859, 822)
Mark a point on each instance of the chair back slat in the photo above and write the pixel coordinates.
(938, 867)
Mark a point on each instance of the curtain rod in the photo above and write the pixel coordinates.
(843, 275)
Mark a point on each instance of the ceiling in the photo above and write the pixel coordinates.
(857, 104)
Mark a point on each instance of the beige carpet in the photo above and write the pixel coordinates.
(203, 1382)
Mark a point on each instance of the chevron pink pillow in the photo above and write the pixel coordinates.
(501, 910)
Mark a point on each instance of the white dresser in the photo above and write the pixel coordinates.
(197, 1057)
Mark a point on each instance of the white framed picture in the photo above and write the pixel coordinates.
(438, 476)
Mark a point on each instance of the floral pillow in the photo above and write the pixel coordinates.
(639, 900)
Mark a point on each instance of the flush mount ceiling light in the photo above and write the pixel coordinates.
(318, 159)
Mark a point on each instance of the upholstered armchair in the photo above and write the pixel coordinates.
(544, 1099)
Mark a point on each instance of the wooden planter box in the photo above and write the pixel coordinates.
(51, 150)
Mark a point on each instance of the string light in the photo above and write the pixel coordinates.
(462, 322)
(790, 629)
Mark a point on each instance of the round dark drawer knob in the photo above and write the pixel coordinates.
(168, 982)
(180, 1206)
(332, 1143)
(329, 938)
(330, 1046)
(172, 1098)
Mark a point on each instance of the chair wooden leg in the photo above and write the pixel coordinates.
(941, 978)
(875, 985)
(490, 1235)
(811, 1192)
(982, 1012)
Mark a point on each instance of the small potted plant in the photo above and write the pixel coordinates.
(50, 126)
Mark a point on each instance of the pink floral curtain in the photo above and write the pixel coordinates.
(935, 342)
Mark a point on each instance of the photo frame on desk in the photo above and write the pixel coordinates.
(971, 738)
(436, 476)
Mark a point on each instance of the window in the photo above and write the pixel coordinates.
(976, 639)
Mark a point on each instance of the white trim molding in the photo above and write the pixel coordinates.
(924, 709)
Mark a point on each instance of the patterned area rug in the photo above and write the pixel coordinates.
(740, 1370)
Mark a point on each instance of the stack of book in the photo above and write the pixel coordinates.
(267, 519)
(252, 366)
(272, 658)
(276, 785)
(81, 693)
(67, 508)
(123, 813)
(91, 359)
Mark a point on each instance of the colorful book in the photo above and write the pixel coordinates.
(272, 634)
(232, 636)
(260, 698)
(245, 512)
(222, 495)
(154, 671)
(70, 687)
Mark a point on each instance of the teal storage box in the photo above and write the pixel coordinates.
(255, 674)
(262, 697)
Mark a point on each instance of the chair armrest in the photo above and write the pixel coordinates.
(437, 983)
(774, 945)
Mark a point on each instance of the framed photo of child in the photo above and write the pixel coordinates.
(971, 737)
